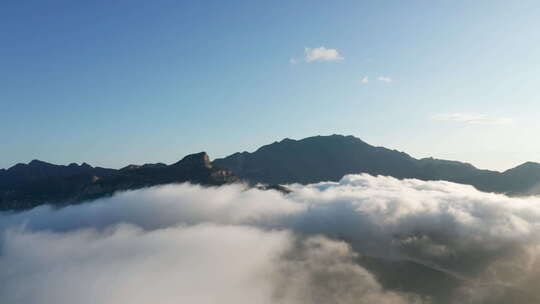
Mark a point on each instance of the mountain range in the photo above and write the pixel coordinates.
(309, 160)
(328, 158)
(24, 186)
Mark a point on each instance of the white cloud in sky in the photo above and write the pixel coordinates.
(384, 79)
(473, 118)
(365, 79)
(321, 54)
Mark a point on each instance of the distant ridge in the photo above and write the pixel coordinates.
(328, 158)
(309, 160)
(25, 186)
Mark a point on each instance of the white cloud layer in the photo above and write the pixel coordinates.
(473, 118)
(364, 239)
(321, 54)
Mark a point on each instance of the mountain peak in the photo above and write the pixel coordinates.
(286, 140)
(37, 162)
(86, 166)
(315, 159)
(334, 139)
(527, 166)
(130, 167)
(196, 160)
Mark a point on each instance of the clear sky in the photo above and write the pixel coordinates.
(119, 82)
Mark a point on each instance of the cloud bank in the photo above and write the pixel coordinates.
(364, 239)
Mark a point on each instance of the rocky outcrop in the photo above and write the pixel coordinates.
(197, 160)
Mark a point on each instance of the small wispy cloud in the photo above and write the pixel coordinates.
(293, 60)
(365, 79)
(472, 118)
(321, 54)
(384, 79)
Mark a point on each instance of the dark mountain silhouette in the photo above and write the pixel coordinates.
(25, 186)
(309, 160)
(328, 158)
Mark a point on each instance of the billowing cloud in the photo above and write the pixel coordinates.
(364, 80)
(473, 118)
(125, 264)
(321, 54)
(364, 239)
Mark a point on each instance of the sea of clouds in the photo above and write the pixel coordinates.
(364, 239)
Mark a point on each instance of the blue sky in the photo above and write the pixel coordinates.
(119, 82)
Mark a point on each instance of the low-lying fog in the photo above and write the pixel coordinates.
(363, 240)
